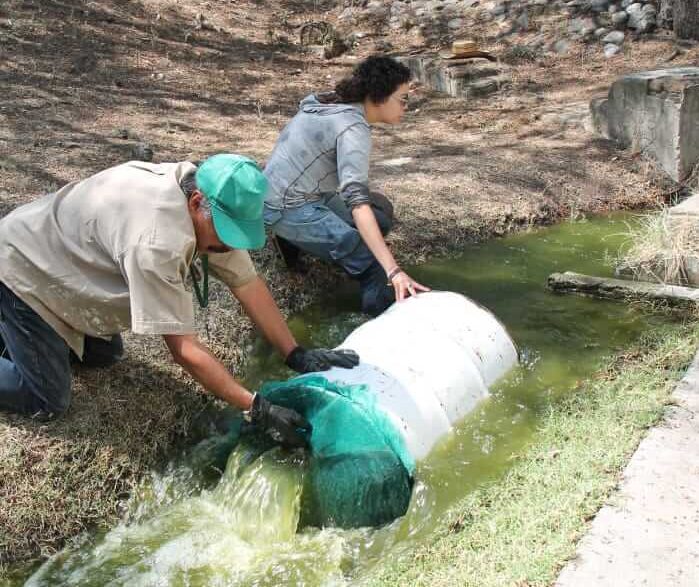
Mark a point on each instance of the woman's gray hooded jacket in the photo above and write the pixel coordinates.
(322, 151)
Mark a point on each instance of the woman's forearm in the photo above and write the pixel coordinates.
(368, 228)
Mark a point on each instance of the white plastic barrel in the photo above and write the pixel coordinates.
(429, 359)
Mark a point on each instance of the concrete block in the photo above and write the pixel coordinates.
(655, 113)
(687, 208)
(458, 78)
(598, 109)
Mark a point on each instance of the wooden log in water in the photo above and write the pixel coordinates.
(607, 287)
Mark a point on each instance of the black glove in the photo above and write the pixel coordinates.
(285, 426)
(303, 361)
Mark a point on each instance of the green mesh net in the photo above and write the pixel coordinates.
(360, 472)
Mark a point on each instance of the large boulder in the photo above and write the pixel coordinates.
(655, 113)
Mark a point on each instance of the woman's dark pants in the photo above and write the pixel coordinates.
(35, 371)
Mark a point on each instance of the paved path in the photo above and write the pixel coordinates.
(649, 534)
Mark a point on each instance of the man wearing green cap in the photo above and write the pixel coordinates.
(112, 252)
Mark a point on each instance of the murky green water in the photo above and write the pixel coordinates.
(192, 527)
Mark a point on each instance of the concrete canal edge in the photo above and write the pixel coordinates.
(649, 533)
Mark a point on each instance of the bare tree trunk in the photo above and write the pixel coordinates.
(686, 19)
(665, 14)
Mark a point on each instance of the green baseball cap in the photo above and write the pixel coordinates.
(236, 188)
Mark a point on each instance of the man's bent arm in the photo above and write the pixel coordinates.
(197, 360)
(258, 303)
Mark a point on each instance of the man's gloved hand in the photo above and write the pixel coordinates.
(303, 361)
(285, 426)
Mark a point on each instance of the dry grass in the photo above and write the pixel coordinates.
(661, 245)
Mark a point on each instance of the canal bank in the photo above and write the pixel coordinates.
(558, 402)
(648, 532)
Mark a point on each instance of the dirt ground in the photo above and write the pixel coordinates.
(84, 82)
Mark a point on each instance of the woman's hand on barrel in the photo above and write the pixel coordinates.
(405, 286)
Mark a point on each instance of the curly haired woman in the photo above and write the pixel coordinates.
(319, 199)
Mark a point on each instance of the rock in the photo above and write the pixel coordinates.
(645, 25)
(455, 24)
(383, 46)
(122, 133)
(356, 36)
(613, 8)
(496, 8)
(347, 15)
(336, 48)
(522, 22)
(142, 152)
(582, 26)
(599, 5)
(627, 3)
(561, 46)
(614, 38)
(610, 49)
(641, 19)
(600, 32)
(377, 10)
(619, 19)
(316, 51)
(398, 8)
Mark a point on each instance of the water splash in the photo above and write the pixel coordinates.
(244, 527)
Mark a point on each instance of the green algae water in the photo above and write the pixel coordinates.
(193, 526)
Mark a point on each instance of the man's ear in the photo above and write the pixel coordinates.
(194, 201)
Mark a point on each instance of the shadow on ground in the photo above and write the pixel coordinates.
(64, 64)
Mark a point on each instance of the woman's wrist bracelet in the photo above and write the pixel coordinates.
(392, 273)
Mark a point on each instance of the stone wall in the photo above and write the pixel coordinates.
(435, 22)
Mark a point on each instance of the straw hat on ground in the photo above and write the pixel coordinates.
(464, 49)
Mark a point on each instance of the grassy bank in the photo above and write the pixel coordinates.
(521, 529)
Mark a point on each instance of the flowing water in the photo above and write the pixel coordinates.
(190, 526)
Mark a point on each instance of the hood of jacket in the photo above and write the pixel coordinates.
(311, 105)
